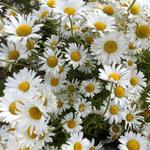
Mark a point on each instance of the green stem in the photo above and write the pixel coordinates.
(131, 4)
(108, 100)
(6, 5)
(71, 24)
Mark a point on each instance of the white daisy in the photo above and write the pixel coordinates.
(13, 51)
(50, 61)
(72, 123)
(114, 113)
(83, 108)
(25, 81)
(69, 7)
(90, 87)
(93, 147)
(76, 142)
(89, 66)
(22, 28)
(8, 108)
(109, 48)
(132, 141)
(76, 55)
(31, 116)
(55, 81)
(137, 81)
(132, 118)
(101, 22)
(114, 73)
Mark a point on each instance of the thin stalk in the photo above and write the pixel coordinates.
(6, 5)
(131, 4)
(108, 101)
(71, 24)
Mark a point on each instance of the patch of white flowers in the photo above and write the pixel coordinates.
(95, 49)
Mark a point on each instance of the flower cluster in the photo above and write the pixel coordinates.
(71, 68)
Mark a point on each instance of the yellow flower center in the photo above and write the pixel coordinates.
(13, 108)
(54, 81)
(12, 13)
(119, 92)
(75, 28)
(90, 88)
(115, 129)
(77, 146)
(114, 110)
(100, 26)
(61, 69)
(30, 44)
(135, 9)
(23, 30)
(129, 117)
(27, 148)
(143, 31)
(54, 44)
(51, 3)
(71, 124)
(92, 148)
(82, 107)
(75, 56)
(44, 14)
(52, 61)
(130, 63)
(35, 113)
(133, 145)
(108, 10)
(134, 81)
(60, 104)
(31, 135)
(70, 11)
(114, 76)
(13, 55)
(24, 86)
(89, 39)
(110, 47)
(71, 88)
(131, 46)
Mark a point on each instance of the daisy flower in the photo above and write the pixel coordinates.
(109, 48)
(47, 98)
(132, 141)
(90, 87)
(101, 22)
(8, 108)
(25, 81)
(137, 82)
(76, 55)
(53, 42)
(76, 141)
(114, 113)
(50, 61)
(93, 147)
(132, 118)
(50, 4)
(114, 73)
(139, 32)
(62, 105)
(13, 51)
(83, 108)
(89, 66)
(22, 28)
(69, 7)
(55, 81)
(72, 123)
(115, 131)
(146, 133)
(31, 116)
(42, 14)
(72, 87)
